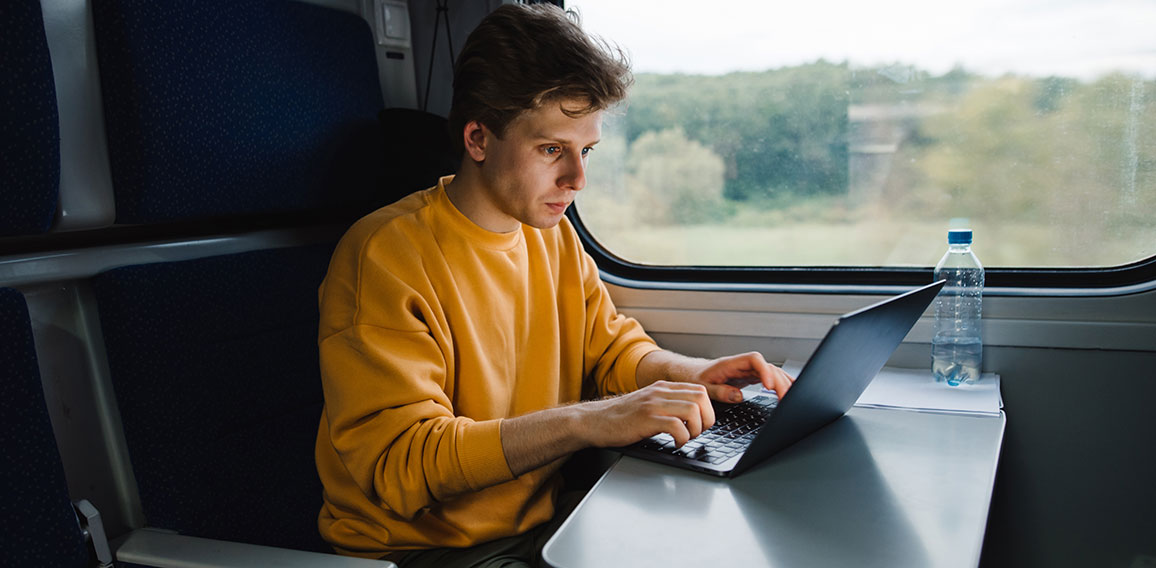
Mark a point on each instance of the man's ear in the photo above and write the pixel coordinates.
(475, 136)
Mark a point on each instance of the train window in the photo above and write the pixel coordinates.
(847, 134)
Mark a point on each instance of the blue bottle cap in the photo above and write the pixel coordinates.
(959, 237)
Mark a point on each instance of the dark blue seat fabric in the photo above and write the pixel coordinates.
(29, 131)
(215, 368)
(37, 526)
(221, 108)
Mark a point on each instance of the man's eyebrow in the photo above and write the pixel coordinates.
(544, 137)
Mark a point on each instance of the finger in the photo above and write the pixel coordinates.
(768, 374)
(725, 393)
(676, 428)
(781, 381)
(671, 386)
(679, 391)
(691, 415)
(702, 409)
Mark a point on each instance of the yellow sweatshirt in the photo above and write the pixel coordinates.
(432, 331)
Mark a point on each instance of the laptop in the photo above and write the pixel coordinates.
(847, 359)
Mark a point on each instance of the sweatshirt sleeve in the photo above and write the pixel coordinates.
(390, 423)
(614, 343)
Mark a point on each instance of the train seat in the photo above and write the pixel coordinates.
(29, 129)
(215, 368)
(240, 116)
(38, 527)
(257, 121)
(227, 108)
(417, 150)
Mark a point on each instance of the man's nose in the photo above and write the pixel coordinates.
(574, 174)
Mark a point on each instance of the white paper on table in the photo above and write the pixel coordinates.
(915, 389)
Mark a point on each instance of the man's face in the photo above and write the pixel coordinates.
(532, 174)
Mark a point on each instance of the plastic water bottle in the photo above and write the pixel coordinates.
(957, 349)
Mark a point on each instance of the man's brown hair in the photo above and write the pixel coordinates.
(522, 56)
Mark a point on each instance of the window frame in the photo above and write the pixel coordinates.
(1135, 277)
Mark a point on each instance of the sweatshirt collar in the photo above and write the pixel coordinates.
(467, 228)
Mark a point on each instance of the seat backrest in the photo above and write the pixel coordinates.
(417, 150)
(38, 526)
(230, 109)
(215, 368)
(29, 129)
(223, 108)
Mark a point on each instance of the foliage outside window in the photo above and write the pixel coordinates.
(841, 162)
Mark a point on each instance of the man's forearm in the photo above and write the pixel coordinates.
(665, 365)
(533, 440)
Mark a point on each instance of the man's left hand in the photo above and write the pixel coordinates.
(726, 376)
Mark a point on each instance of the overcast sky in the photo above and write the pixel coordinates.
(1075, 38)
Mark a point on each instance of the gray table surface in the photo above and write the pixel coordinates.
(878, 487)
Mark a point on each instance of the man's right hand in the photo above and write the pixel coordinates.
(682, 410)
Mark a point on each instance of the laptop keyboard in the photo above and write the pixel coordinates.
(734, 428)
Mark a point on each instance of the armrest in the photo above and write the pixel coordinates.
(93, 528)
(170, 550)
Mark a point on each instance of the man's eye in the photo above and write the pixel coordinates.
(586, 151)
(552, 150)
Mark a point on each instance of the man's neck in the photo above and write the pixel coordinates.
(467, 195)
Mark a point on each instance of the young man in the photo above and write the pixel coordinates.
(461, 325)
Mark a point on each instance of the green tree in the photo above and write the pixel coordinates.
(674, 180)
(778, 131)
(604, 204)
(993, 155)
